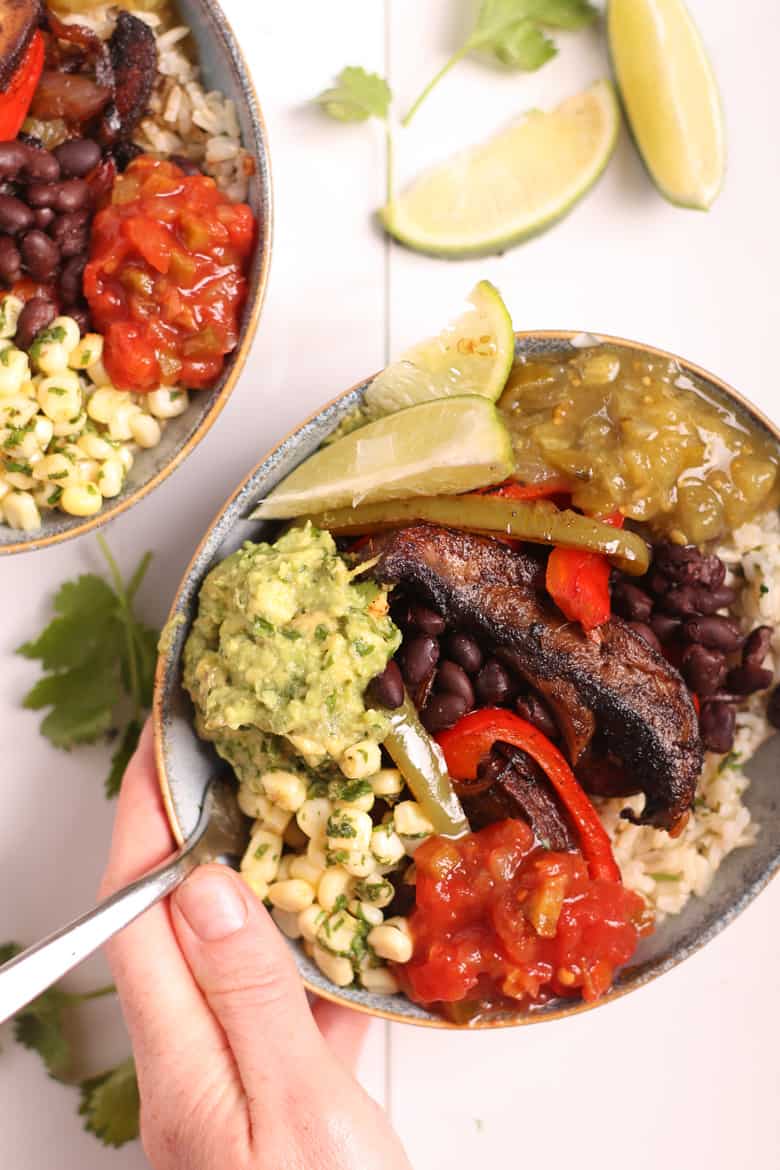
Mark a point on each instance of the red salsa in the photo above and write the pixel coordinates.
(500, 920)
(166, 279)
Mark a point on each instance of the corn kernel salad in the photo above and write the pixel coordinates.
(67, 436)
(286, 640)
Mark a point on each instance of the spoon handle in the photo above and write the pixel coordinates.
(30, 973)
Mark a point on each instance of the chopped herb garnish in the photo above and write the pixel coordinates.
(261, 851)
(59, 391)
(336, 856)
(362, 648)
(764, 590)
(292, 635)
(55, 497)
(349, 790)
(340, 826)
(263, 626)
(728, 761)
(666, 877)
(20, 468)
(321, 633)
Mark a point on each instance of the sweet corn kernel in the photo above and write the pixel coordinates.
(334, 884)
(145, 430)
(361, 760)
(334, 967)
(21, 511)
(391, 943)
(88, 351)
(81, 500)
(286, 789)
(294, 894)
(167, 403)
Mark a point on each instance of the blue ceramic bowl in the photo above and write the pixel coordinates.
(186, 763)
(223, 68)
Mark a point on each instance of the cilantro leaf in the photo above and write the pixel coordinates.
(111, 1105)
(40, 1027)
(356, 96)
(525, 46)
(509, 29)
(92, 651)
(9, 951)
(121, 757)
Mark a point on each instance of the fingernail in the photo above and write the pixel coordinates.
(213, 904)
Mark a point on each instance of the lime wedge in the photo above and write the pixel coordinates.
(671, 97)
(437, 448)
(517, 184)
(472, 355)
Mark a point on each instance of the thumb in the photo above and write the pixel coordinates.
(247, 975)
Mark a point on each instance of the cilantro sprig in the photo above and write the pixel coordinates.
(356, 96)
(108, 1102)
(98, 663)
(513, 31)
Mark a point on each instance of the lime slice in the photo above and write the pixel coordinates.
(671, 97)
(513, 186)
(472, 355)
(437, 448)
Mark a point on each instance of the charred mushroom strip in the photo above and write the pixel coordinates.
(613, 676)
(134, 57)
(18, 21)
(517, 788)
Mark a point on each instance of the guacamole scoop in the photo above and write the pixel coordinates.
(281, 653)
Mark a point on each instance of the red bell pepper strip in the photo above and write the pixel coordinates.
(473, 736)
(512, 490)
(17, 97)
(578, 582)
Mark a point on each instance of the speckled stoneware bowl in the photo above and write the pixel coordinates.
(185, 763)
(222, 67)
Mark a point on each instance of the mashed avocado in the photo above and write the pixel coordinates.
(280, 655)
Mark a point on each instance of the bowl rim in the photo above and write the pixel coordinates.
(643, 974)
(239, 356)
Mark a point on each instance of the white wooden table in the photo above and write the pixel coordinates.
(684, 1073)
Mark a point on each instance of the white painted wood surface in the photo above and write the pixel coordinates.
(684, 1073)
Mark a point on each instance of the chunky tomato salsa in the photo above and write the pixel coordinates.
(166, 281)
(499, 919)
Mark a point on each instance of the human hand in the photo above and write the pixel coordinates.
(234, 1069)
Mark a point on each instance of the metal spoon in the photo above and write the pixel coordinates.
(220, 835)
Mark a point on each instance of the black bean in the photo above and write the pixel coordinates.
(686, 565)
(746, 680)
(426, 620)
(418, 658)
(757, 645)
(773, 708)
(78, 157)
(12, 158)
(532, 708)
(40, 255)
(494, 684)
(10, 261)
(711, 600)
(719, 633)
(15, 216)
(36, 315)
(82, 316)
(71, 233)
(648, 633)
(704, 670)
(43, 218)
(452, 679)
(42, 194)
(39, 166)
(186, 164)
(631, 602)
(665, 626)
(718, 726)
(72, 195)
(682, 602)
(71, 279)
(387, 689)
(442, 712)
(465, 651)
(658, 584)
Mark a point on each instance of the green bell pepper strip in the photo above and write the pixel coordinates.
(537, 521)
(421, 763)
